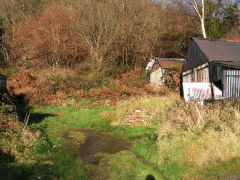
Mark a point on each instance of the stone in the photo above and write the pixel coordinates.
(126, 124)
(137, 111)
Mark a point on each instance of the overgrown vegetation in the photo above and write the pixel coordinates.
(188, 133)
(85, 48)
(17, 144)
(196, 135)
(183, 140)
(86, 59)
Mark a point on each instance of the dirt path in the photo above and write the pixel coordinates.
(100, 143)
(95, 143)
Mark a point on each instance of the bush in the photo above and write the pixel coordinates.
(131, 83)
(172, 79)
(16, 139)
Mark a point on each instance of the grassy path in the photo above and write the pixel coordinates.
(112, 152)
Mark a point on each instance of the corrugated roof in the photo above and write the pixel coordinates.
(220, 51)
(166, 64)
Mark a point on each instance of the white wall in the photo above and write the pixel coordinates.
(197, 91)
(156, 78)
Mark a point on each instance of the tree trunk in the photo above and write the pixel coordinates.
(203, 28)
(202, 20)
(99, 60)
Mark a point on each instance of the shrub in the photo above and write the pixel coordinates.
(172, 79)
(131, 83)
(41, 88)
(16, 139)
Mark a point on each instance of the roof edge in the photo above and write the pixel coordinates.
(172, 59)
(216, 39)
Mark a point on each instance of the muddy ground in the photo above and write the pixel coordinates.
(95, 143)
(91, 146)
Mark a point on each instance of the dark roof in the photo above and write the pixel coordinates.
(166, 64)
(219, 50)
(215, 51)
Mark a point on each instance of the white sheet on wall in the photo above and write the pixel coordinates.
(197, 91)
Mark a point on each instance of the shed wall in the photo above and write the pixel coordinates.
(187, 77)
(194, 58)
(202, 75)
(231, 83)
(198, 74)
(156, 78)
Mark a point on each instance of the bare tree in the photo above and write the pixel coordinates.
(99, 26)
(106, 34)
(198, 6)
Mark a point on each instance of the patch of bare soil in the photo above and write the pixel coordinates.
(96, 143)
(100, 143)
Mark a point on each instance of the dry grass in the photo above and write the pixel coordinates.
(197, 135)
(189, 134)
(153, 106)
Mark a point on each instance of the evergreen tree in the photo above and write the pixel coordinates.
(220, 18)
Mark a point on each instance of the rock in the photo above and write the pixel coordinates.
(126, 124)
(137, 111)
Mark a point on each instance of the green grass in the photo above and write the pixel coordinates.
(126, 165)
(59, 157)
(64, 119)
